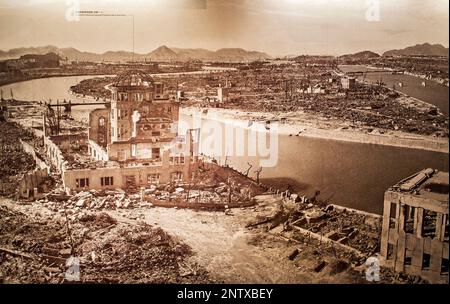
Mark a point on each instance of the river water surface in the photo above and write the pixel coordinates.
(433, 92)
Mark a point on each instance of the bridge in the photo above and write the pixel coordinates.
(362, 73)
(68, 105)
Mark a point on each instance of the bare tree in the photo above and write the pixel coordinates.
(258, 172)
(248, 169)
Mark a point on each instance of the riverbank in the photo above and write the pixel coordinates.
(440, 81)
(17, 80)
(349, 67)
(307, 125)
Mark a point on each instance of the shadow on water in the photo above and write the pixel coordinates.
(284, 183)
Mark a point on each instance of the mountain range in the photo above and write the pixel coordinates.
(162, 53)
(424, 49)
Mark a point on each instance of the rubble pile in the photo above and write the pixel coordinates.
(81, 161)
(48, 183)
(153, 255)
(347, 227)
(58, 201)
(385, 113)
(358, 231)
(171, 192)
(212, 193)
(315, 233)
(14, 161)
(37, 249)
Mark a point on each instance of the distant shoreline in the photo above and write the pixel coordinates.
(46, 76)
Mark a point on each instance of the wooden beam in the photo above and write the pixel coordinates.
(16, 253)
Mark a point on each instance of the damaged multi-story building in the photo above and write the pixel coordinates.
(134, 142)
(416, 226)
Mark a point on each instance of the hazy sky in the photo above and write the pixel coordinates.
(278, 27)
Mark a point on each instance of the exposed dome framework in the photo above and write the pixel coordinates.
(134, 78)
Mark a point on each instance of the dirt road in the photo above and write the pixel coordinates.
(221, 244)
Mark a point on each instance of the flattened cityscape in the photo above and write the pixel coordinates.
(188, 165)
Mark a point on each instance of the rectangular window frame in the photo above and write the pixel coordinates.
(82, 182)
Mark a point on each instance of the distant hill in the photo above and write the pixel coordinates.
(225, 54)
(360, 56)
(238, 54)
(193, 54)
(17, 52)
(425, 49)
(162, 53)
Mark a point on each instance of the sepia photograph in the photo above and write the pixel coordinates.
(212, 142)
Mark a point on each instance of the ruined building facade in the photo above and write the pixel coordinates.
(348, 83)
(141, 122)
(136, 139)
(415, 231)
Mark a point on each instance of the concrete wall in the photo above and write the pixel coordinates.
(54, 144)
(165, 129)
(119, 151)
(29, 183)
(148, 110)
(120, 174)
(96, 131)
(37, 133)
(164, 108)
(54, 154)
(40, 164)
(405, 249)
(97, 152)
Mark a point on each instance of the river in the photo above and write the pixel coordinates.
(51, 89)
(351, 174)
(433, 92)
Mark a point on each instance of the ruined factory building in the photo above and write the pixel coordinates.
(135, 142)
(415, 226)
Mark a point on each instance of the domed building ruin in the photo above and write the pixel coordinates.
(137, 138)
